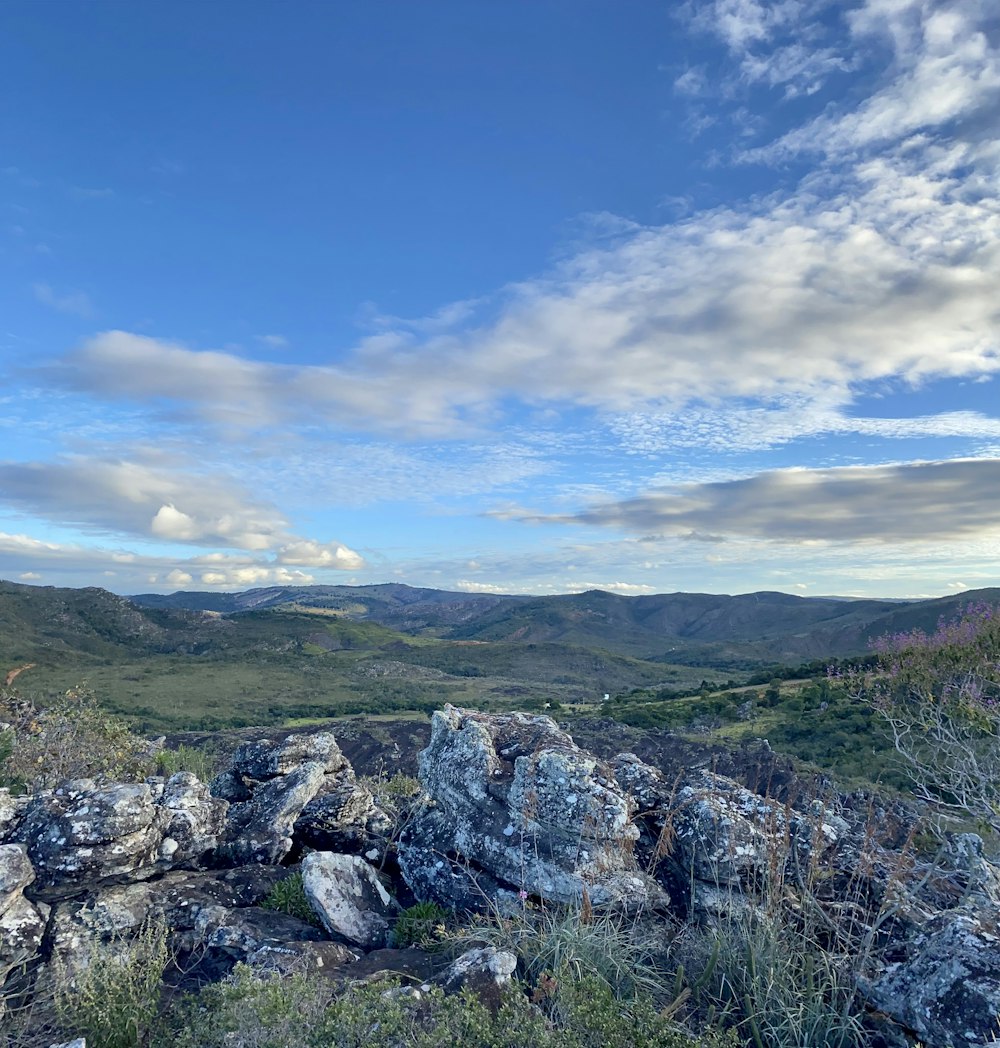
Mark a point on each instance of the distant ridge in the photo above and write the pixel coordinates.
(767, 625)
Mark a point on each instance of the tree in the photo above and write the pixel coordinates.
(939, 695)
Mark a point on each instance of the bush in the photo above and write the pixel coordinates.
(420, 925)
(939, 696)
(253, 1011)
(112, 997)
(72, 738)
(289, 896)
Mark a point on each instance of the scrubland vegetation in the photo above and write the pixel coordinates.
(777, 974)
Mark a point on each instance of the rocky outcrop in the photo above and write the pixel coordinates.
(946, 987)
(512, 813)
(83, 832)
(302, 789)
(349, 899)
(514, 798)
(21, 923)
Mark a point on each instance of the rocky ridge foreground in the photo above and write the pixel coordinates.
(511, 807)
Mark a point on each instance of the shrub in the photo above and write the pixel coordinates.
(254, 1011)
(939, 696)
(72, 738)
(289, 896)
(420, 925)
(112, 998)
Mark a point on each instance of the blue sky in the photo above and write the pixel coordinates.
(515, 297)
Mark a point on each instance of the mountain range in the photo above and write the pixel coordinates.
(281, 654)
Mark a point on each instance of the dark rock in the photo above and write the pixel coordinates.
(260, 829)
(947, 989)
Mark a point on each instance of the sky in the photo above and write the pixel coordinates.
(531, 296)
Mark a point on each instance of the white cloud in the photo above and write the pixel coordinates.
(470, 586)
(945, 68)
(170, 523)
(74, 302)
(171, 505)
(73, 564)
(310, 554)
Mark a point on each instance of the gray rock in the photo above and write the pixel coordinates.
(947, 989)
(478, 969)
(291, 958)
(264, 759)
(343, 816)
(260, 829)
(21, 923)
(11, 810)
(349, 898)
(724, 834)
(302, 789)
(84, 833)
(193, 904)
(195, 818)
(514, 796)
(242, 934)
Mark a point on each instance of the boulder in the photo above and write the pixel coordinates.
(299, 791)
(85, 833)
(483, 970)
(348, 898)
(260, 829)
(22, 924)
(514, 798)
(945, 988)
(724, 835)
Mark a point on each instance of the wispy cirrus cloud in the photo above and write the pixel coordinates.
(76, 303)
(745, 428)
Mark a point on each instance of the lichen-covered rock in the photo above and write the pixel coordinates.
(11, 810)
(946, 989)
(260, 761)
(348, 898)
(343, 816)
(214, 917)
(82, 832)
(515, 797)
(260, 829)
(485, 971)
(243, 933)
(21, 923)
(726, 835)
(476, 968)
(644, 783)
(195, 819)
(303, 790)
